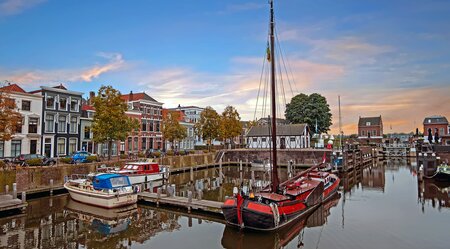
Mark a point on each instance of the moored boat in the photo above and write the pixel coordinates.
(102, 190)
(442, 173)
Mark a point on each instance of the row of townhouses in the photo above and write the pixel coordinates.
(57, 122)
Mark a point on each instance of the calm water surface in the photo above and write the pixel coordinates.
(382, 206)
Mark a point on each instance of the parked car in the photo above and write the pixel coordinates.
(80, 156)
(22, 158)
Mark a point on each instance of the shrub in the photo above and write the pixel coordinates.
(192, 152)
(34, 162)
(182, 152)
(213, 150)
(170, 153)
(156, 154)
(2, 164)
(205, 151)
(123, 156)
(65, 160)
(92, 158)
(141, 155)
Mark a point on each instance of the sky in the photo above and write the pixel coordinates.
(388, 58)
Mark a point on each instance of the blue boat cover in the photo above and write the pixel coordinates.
(110, 181)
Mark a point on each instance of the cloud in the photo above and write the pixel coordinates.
(13, 7)
(38, 76)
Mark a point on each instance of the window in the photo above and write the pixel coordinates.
(441, 131)
(374, 132)
(73, 124)
(157, 126)
(151, 126)
(144, 143)
(74, 105)
(16, 146)
(363, 133)
(150, 146)
(26, 105)
(255, 139)
(61, 146)
(263, 139)
(19, 126)
(63, 103)
(49, 123)
(2, 148)
(292, 139)
(367, 123)
(50, 102)
(87, 132)
(135, 145)
(130, 144)
(72, 145)
(144, 125)
(32, 125)
(62, 123)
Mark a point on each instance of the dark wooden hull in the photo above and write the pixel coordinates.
(443, 177)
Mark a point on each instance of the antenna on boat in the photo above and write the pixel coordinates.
(340, 123)
(275, 181)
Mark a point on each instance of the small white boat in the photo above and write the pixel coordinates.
(102, 190)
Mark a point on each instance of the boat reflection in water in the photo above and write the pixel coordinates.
(234, 238)
(105, 221)
(435, 192)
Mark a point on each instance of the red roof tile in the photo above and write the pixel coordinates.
(137, 96)
(87, 108)
(13, 88)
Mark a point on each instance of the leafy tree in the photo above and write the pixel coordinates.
(230, 124)
(172, 129)
(308, 109)
(208, 127)
(110, 121)
(10, 118)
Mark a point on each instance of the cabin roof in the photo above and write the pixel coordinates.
(282, 130)
(373, 121)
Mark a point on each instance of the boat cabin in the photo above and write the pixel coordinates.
(110, 181)
(140, 168)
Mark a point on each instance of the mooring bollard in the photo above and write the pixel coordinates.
(51, 186)
(24, 197)
(174, 190)
(189, 200)
(240, 165)
(6, 189)
(14, 190)
(158, 195)
(199, 194)
(191, 174)
(253, 178)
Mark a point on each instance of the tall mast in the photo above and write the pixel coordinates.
(275, 180)
(340, 123)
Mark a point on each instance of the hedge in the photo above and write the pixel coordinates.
(34, 162)
(156, 154)
(170, 153)
(65, 160)
(92, 158)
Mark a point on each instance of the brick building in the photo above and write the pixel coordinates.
(149, 113)
(370, 130)
(437, 124)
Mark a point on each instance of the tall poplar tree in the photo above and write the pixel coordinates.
(110, 121)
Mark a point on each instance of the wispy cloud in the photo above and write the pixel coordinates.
(86, 74)
(13, 7)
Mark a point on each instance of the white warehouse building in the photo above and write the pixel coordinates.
(290, 136)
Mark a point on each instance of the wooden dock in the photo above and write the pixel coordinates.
(8, 203)
(177, 201)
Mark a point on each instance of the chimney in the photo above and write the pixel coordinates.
(130, 97)
(91, 97)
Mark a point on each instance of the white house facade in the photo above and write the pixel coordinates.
(291, 136)
(27, 140)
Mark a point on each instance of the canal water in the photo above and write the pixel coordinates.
(382, 206)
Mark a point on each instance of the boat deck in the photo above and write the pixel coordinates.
(164, 199)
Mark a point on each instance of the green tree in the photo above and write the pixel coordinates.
(208, 127)
(10, 118)
(309, 109)
(110, 121)
(230, 124)
(172, 129)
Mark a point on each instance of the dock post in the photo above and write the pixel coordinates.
(6, 189)
(24, 197)
(253, 178)
(220, 171)
(192, 174)
(174, 190)
(158, 194)
(189, 200)
(51, 187)
(199, 194)
(240, 165)
(14, 190)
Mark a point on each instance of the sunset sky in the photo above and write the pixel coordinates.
(389, 58)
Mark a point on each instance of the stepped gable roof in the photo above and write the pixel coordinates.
(435, 119)
(282, 130)
(87, 108)
(137, 96)
(373, 121)
(13, 88)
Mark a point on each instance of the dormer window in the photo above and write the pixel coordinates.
(429, 121)
(50, 102)
(368, 124)
(74, 103)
